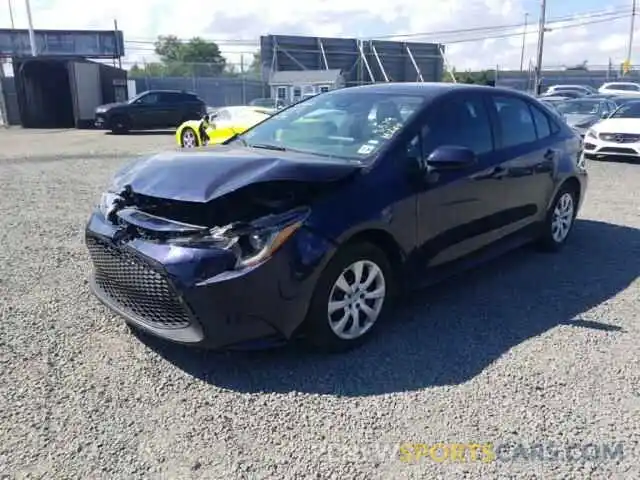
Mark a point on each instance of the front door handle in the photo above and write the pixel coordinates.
(549, 155)
(496, 173)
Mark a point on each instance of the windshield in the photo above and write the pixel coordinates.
(630, 110)
(263, 102)
(580, 107)
(340, 124)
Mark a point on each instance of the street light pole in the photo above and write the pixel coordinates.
(633, 21)
(32, 35)
(541, 28)
(13, 25)
(524, 40)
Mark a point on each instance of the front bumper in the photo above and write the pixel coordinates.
(190, 295)
(598, 148)
(100, 121)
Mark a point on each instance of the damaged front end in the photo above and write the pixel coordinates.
(251, 223)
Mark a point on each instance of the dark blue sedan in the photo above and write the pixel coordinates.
(310, 223)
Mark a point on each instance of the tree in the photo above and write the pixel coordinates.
(196, 57)
(255, 68)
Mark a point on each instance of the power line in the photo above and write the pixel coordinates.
(576, 17)
(549, 25)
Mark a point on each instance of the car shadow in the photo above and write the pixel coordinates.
(449, 333)
(142, 133)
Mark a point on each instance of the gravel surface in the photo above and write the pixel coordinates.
(530, 349)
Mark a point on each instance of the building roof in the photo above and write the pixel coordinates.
(304, 76)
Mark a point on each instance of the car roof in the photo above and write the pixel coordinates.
(608, 84)
(427, 89)
(569, 86)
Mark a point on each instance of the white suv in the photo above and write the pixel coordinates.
(620, 88)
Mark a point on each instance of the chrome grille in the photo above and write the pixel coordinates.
(620, 137)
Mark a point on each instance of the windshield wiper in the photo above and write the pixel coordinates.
(233, 138)
(267, 146)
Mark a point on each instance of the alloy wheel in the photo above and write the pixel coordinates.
(562, 218)
(356, 299)
(189, 139)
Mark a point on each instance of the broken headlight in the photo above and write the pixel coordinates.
(108, 202)
(252, 243)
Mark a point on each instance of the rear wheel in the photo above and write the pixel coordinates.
(353, 294)
(560, 219)
(188, 138)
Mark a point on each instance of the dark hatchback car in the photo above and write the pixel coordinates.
(150, 110)
(309, 223)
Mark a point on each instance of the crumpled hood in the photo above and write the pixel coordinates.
(580, 119)
(204, 175)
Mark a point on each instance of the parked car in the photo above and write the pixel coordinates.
(583, 113)
(275, 236)
(622, 99)
(271, 103)
(559, 89)
(618, 135)
(620, 88)
(218, 125)
(150, 110)
(565, 93)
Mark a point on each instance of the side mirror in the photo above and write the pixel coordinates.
(451, 157)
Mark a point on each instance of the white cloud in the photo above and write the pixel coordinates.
(143, 20)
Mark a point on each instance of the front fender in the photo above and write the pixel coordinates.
(194, 125)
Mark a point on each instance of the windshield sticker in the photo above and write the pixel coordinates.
(366, 149)
(387, 128)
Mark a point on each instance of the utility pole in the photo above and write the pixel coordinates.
(633, 21)
(32, 35)
(541, 28)
(524, 40)
(13, 25)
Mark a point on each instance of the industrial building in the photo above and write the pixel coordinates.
(61, 86)
(325, 63)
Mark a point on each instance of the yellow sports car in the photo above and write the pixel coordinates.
(219, 125)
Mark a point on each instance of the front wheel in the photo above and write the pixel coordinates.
(188, 138)
(352, 295)
(560, 219)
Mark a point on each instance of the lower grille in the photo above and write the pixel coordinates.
(619, 150)
(136, 286)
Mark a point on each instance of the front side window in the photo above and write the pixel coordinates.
(459, 121)
(340, 124)
(149, 99)
(516, 122)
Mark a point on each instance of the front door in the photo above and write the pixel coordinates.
(457, 209)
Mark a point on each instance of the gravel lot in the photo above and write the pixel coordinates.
(531, 348)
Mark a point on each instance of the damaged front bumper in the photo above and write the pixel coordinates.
(197, 295)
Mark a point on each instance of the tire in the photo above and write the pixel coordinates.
(189, 138)
(560, 219)
(120, 124)
(318, 330)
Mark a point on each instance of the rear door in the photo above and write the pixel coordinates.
(526, 152)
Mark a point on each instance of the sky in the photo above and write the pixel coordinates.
(580, 30)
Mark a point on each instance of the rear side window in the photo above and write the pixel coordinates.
(541, 122)
(515, 120)
(623, 86)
